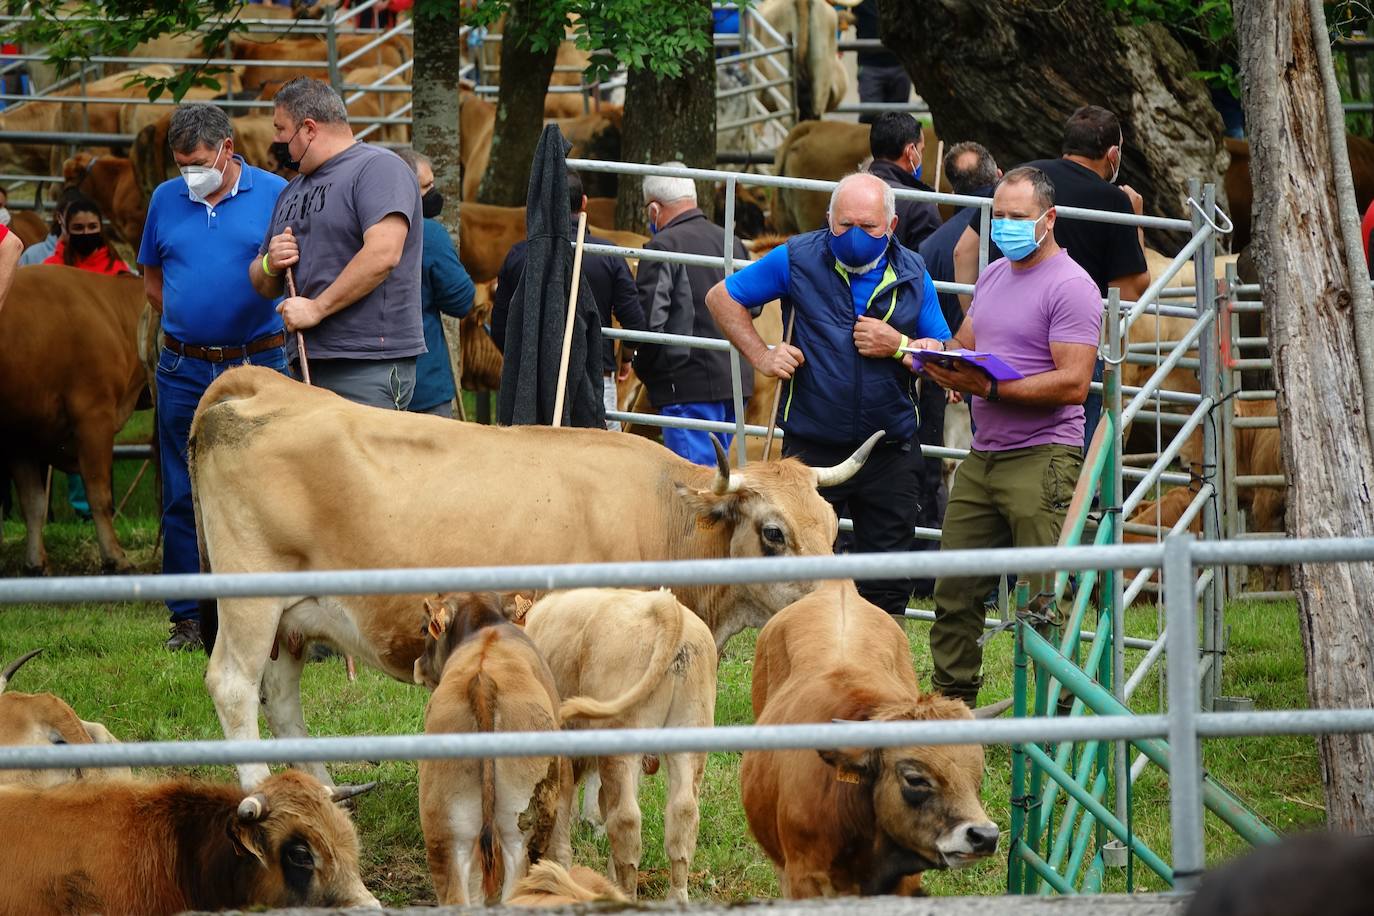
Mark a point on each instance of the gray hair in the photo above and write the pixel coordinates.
(304, 97)
(413, 158)
(889, 196)
(197, 124)
(982, 174)
(666, 190)
(1040, 183)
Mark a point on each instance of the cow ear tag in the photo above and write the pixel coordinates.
(849, 776)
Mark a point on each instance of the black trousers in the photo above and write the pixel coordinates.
(882, 499)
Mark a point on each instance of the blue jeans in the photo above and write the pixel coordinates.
(695, 444)
(181, 380)
(1092, 409)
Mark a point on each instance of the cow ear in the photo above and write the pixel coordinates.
(852, 766)
(708, 508)
(436, 617)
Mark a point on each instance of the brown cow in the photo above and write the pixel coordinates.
(856, 821)
(128, 847)
(487, 233)
(29, 226)
(42, 719)
(487, 676)
(659, 659)
(110, 182)
(260, 444)
(100, 117)
(390, 54)
(481, 360)
(70, 379)
(549, 884)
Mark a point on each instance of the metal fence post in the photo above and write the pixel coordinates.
(1111, 379)
(1232, 380)
(736, 373)
(984, 235)
(1185, 758)
(331, 48)
(1209, 377)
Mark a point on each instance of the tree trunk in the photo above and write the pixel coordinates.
(1008, 74)
(525, 76)
(1306, 279)
(669, 119)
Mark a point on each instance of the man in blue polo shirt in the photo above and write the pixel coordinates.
(858, 297)
(201, 229)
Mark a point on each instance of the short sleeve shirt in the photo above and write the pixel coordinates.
(328, 212)
(1017, 314)
(204, 253)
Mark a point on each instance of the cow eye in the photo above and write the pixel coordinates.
(56, 738)
(298, 855)
(773, 535)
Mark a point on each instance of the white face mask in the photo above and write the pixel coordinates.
(1120, 151)
(4, 216)
(202, 181)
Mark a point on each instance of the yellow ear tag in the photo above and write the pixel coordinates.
(846, 776)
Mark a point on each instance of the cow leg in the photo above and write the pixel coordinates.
(591, 801)
(94, 445)
(620, 805)
(281, 695)
(513, 796)
(681, 817)
(29, 480)
(247, 627)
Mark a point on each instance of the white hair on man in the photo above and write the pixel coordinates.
(666, 190)
(889, 196)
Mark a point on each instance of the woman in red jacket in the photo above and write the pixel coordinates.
(83, 243)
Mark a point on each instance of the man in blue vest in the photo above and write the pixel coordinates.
(859, 297)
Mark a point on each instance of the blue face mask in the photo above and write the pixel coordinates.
(855, 248)
(1016, 237)
(917, 173)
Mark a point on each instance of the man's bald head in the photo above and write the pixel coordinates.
(863, 200)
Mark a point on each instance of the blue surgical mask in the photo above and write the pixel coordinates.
(855, 248)
(917, 172)
(1016, 237)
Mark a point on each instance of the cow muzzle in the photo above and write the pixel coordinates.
(838, 474)
(968, 842)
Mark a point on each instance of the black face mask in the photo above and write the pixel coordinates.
(432, 204)
(281, 151)
(85, 244)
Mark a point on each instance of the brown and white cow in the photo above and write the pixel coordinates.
(288, 477)
(69, 379)
(128, 847)
(487, 676)
(659, 659)
(856, 821)
(43, 719)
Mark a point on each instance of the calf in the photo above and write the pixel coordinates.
(127, 847)
(487, 676)
(659, 661)
(855, 821)
(550, 884)
(39, 719)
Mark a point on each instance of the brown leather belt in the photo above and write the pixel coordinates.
(224, 354)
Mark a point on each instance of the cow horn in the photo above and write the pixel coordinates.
(343, 793)
(834, 476)
(992, 710)
(726, 481)
(15, 666)
(253, 808)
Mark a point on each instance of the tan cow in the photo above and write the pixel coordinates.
(390, 54)
(488, 232)
(820, 75)
(42, 719)
(549, 884)
(102, 116)
(287, 476)
(377, 104)
(129, 847)
(659, 659)
(487, 676)
(70, 379)
(855, 821)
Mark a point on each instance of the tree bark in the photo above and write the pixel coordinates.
(436, 128)
(525, 76)
(1007, 74)
(669, 119)
(1308, 286)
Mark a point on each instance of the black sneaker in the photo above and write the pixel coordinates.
(185, 636)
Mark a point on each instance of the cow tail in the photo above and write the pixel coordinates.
(667, 620)
(482, 695)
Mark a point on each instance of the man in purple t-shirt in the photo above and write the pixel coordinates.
(1040, 313)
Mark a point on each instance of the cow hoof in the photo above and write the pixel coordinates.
(120, 567)
(35, 570)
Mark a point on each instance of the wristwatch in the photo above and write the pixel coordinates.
(992, 390)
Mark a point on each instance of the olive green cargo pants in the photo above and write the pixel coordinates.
(1016, 498)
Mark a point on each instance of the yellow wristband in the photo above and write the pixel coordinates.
(899, 354)
(266, 269)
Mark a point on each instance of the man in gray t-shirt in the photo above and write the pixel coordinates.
(350, 226)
